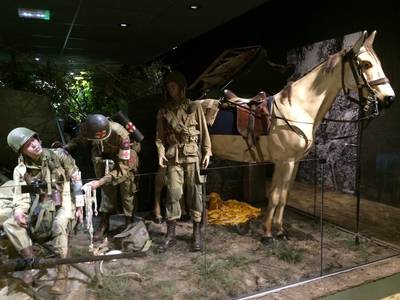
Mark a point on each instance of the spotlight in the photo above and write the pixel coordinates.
(124, 25)
(194, 6)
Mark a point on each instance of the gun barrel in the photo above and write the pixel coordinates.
(14, 265)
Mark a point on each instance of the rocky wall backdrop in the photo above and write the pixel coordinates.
(339, 152)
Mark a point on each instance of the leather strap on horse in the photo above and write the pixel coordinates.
(299, 132)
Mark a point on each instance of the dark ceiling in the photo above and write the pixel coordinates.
(80, 31)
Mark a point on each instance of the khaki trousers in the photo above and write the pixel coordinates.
(20, 239)
(179, 177)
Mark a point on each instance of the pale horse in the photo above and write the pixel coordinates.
(297, 112)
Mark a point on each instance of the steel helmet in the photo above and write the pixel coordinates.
(96, 127)
(19, 136)
(177, 77)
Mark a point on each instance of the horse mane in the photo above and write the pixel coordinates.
(328, 65)
(334, 60)
(287, 91)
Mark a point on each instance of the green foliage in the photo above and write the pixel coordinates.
(80, 95)
(103, 89)
(114, 90)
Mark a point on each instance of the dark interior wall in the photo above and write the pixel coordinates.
(279, 26)
(24, 109)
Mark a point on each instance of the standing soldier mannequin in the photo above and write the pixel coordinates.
(115, 162)
(42, 200)
(183, 143)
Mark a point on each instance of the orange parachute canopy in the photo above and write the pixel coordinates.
(230, 212)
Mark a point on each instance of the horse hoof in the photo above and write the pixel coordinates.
(267, 240)
(282, 237)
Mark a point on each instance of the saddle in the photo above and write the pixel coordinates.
(253, 115)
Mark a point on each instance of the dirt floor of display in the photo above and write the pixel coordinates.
(235, 263)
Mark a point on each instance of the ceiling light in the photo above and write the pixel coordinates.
(175, 47)
(37, 58)
(29, 13)
(124, 25)
(194, 6)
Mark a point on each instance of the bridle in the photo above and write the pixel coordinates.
(366, 102)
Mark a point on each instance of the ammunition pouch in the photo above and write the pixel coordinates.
(41, 220)
(56, 197)
(190, 149)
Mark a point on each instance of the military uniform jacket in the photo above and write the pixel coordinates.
(182, 134)
(55, 167)
(120, 150)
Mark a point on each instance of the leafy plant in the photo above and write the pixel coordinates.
(73, 95)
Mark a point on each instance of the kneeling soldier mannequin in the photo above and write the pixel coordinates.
(183, 143)
(42, 200)
(111, 144)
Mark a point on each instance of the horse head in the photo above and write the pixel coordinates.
(365, 73)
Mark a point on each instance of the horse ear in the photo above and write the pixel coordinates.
(370, 40)
(229, 94)
(360, 42)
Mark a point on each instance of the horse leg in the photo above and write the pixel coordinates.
(158, 186)
(273, 201)
(278, 218)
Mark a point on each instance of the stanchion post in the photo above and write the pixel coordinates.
(322, 162)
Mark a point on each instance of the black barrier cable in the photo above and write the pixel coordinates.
(243, 165)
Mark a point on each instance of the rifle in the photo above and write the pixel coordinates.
(22, 264)
(60, 130)
(35, 187)
(203, 176)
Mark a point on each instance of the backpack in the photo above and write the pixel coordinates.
(134, 238)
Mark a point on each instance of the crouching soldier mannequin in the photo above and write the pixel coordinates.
(115, 162)
(6, 203)
(183, 143)
(42, 199)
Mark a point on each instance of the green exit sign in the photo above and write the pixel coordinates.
(29, 13)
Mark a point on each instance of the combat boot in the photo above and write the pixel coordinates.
(27, 254)
(103, 227)
(170, 239)
(60, 284)
(197, 244)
